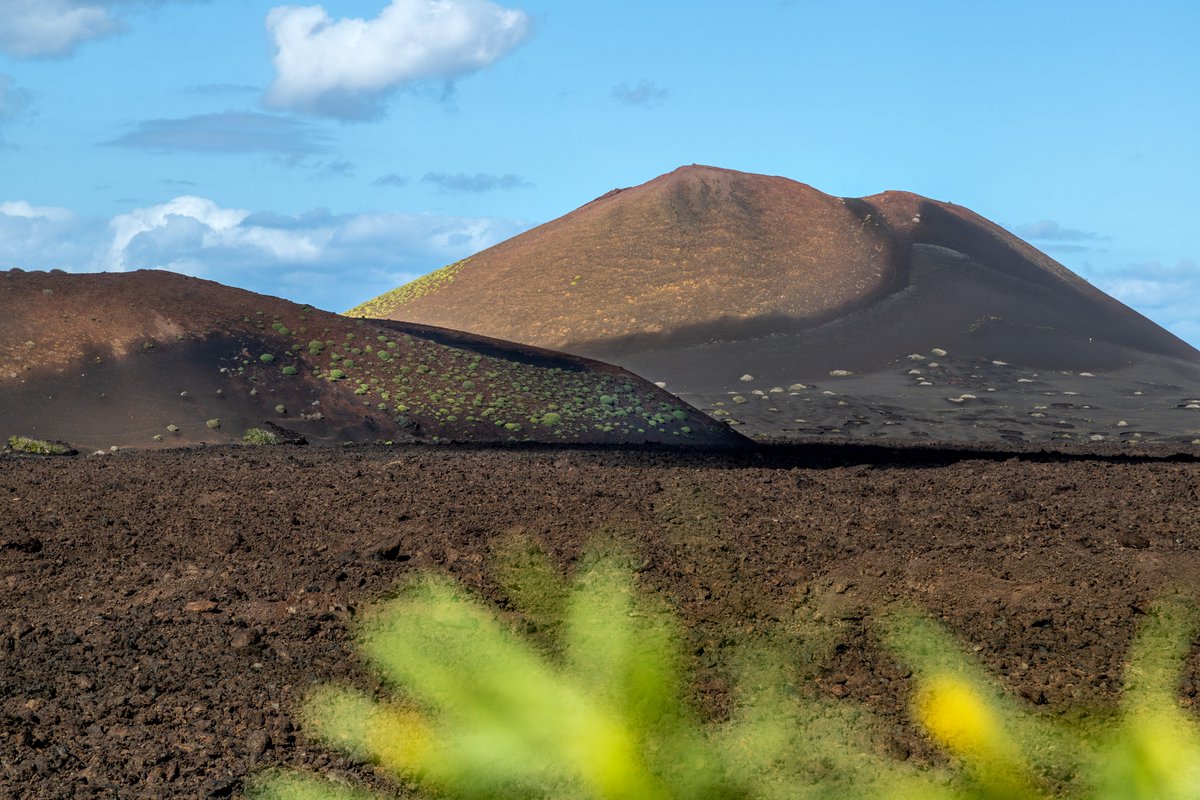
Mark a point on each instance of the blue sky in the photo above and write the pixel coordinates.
(329, 152)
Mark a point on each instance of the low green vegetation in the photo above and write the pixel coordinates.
(388, 302)
(592, 707)
(455, 393)
(25, 444)
(260, 436)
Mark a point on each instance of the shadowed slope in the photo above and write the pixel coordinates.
(154, 358)
(704, 275)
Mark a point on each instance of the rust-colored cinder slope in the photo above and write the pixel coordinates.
(696, 246)
(704, 255)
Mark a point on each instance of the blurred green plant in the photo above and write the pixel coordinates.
(592, 708)
(589, 705)
(1148, 749)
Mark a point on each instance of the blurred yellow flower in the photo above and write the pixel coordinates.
(959, 718)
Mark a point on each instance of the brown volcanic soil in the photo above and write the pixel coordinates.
(122, 359)
(694, 248)
(703, 275)
(165, 611)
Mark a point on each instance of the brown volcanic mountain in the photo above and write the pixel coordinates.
(704, 275)
(153, 358)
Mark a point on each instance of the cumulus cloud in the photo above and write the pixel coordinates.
(333, 261)
(347, 68)
(44, 237)
(1167, 294)
(479, 182)
(226, 132)
(645, 93)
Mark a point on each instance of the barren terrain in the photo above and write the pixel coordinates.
(153, 359)
(164, 612)
(950, 327)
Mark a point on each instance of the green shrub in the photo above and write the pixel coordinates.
(290, 370)
(336, 375)
(259, 436)
(25, 444)
(266, 358)
(281, 409)
(551, 418)
(214, 424)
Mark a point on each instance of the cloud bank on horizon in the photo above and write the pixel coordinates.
(317, 257)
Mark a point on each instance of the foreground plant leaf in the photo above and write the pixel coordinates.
(1155, 752)
(597, 712)
(491, 717)
(1149, 751)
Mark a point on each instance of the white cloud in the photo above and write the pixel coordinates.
(346, 68)
(22, 209)
(213, 222)
(48, 28)
(56, 28)
(333, 261)
(37, 237)
(1169, 295)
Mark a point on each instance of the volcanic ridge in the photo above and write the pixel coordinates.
(152, 358)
